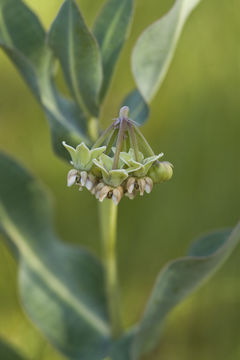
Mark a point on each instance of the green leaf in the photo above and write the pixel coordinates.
(179, 279)
(23, 39)
(111, 30)
(154, 49)
(61, 286)
(67, 122)
(122, 347)
(7, 352)
(79, 56)
(139, 110)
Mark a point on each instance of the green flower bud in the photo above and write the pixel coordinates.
(161, 171)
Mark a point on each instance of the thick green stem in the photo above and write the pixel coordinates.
(108, 222)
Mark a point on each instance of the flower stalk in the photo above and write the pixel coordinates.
(134, 142)
(120, 164)
(108, 225)
(149, 151)
(120, 139)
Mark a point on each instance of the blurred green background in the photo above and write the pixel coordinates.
(195, 121)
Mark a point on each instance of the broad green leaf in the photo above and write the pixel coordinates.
(61, 286)
(23, 39)
(67, 122)
(122, 347)
(179, 279)
(7, 352)
(111, 30)
(154, 49)
(139, 110)
(79, 56)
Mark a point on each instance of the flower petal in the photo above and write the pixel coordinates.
(104, 193)
(107, 161)
(101, 167)
(131, 152)
(71, 177)
(125, 157)
(130, 184)
(117, 195)
(84, 177)
(149, 185)
(141, 183)
(116, 177)
(95, 153)
(71, 151)
(83, 156)
(152, 158)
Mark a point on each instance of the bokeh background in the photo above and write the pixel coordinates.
(195, 121)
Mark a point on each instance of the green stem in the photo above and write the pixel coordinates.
(108, 222)
(121, 133)
(112, 139)
(103, 136)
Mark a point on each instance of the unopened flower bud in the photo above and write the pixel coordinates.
(161, 171)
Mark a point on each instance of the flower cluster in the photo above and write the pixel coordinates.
(111, 172)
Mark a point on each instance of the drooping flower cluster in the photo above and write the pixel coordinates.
(120, 163)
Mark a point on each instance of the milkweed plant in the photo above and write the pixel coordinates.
(69, 294)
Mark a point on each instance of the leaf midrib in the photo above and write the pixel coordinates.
(111, 30)
(51, 280)
(72, 64)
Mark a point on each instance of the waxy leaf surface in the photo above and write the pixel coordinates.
(61, 286)
(178, 280)
(7, 352)
(139, 110)
(79, 56)
(111, 30)
(23, 39)
(154, 49)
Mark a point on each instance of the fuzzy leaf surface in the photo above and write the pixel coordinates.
(139, 110)
(178, 280)
(154, 49)
(23, 39)
(78, 53)
(111, 30)
(7, 352)
(61, 286)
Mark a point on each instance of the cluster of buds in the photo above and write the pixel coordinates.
(121, 162)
